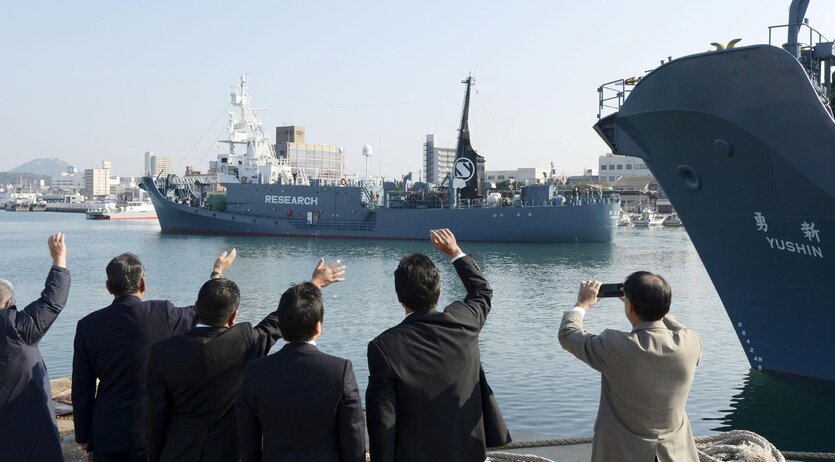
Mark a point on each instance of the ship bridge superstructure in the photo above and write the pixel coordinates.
(251, 157)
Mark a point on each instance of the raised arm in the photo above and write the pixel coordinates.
(381, 406)
(267, 332)
(479, 293)
(32, 322)
(181, 319)
(587, 347)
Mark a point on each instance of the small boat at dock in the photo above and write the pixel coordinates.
(131, 210)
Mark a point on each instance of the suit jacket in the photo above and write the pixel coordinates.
(113, 345)
(305, 404)
(424, 399)
(27, 419)
(192, 384)
(646, 376)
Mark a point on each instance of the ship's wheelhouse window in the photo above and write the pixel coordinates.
(602, 167)
(629, 166)
(619, 167)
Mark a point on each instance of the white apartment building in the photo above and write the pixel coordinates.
(612, 167)
(437, 162)
(160, 165)
(530, 175)
(67, 181)
(97, 180)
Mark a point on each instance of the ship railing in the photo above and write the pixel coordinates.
(612, 95)
(810, 54)
(554, 202)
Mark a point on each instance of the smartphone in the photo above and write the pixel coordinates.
(610, 290)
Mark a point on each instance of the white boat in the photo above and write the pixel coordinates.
(624, 219)
(131, 210)
(648, 218)
(673, 221)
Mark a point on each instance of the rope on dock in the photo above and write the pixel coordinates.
(737, 445)
(802, 455)
(547, 442)
(732, 446)
(509, 457)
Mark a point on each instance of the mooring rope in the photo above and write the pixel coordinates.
(732, 446)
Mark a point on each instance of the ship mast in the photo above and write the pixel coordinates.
(258, 164)
(469, 166)
(464, 128)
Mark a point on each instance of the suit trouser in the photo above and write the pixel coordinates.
(134, 455)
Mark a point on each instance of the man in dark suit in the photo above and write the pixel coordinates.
(300, 404)
(112, 346)
(27, 419)
(195, 377)
(424, 396)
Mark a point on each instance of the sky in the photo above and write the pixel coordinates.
(85, 81)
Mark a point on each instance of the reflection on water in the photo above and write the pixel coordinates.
(794, 413)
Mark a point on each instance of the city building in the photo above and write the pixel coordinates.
(612, 167)
(437, 161)
(160, 165)
(316, 160)
(190, 171)
(71, 180)
(586, 178)
(637, 192)
(97, 180)
(525, 176)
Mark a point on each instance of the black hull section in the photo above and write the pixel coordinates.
(746, 151)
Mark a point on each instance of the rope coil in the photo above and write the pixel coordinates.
(732, 446)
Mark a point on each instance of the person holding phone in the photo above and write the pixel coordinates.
(646, 374)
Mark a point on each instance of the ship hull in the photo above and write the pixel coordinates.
(744, 148)
(594, 223)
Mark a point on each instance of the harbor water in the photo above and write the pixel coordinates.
(540, 388)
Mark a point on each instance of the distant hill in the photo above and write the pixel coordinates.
(48, 167)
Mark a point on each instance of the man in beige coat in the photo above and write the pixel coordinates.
(646, 374)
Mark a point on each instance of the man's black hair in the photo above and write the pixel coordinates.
(649, 294)
(417, 283)
(299, 310)
(124, 274)
(216, 301)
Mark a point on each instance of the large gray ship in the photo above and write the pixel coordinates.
(256, 192)
(742, 139)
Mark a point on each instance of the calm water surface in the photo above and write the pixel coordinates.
(541, 388)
